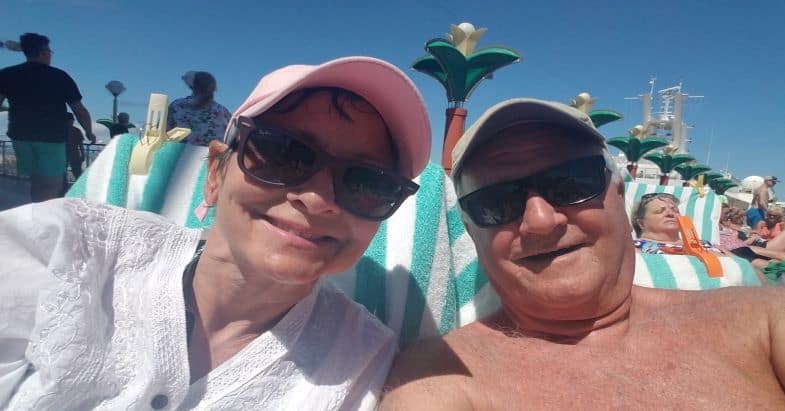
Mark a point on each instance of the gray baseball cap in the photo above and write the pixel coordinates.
(519, 111)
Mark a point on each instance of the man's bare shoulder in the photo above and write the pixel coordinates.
(743, 304)
(431, 372)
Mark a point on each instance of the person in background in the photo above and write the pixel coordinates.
(738, 240)
(773, 223)
(199, 112)
(756, 214)
(74, 149)
(38, 94)
(121, 126)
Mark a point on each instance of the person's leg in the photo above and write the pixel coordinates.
(46, 180)
(25, 159)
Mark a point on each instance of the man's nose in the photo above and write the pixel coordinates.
(540, 217)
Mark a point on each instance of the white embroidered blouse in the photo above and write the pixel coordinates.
(92, 317)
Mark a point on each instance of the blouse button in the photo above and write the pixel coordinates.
(159, 401)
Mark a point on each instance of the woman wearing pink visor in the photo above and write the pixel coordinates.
(105, 308)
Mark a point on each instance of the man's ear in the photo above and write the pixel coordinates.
(215, 171)
(619, 186)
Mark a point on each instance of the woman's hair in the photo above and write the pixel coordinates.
(639, 211)
(339, 99)
(202, 82)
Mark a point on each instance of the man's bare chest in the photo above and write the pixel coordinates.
(679, 376)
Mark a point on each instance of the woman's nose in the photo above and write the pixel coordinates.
(317, 195)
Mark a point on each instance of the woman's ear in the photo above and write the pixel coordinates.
(215, 171)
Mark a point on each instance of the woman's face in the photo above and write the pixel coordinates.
(660, 219)
(296, 234)
(737, 217)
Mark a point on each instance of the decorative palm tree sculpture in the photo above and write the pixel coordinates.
(635, 146)
(455, 64)
(666, 161)
(584, 102)
(721, 185)
(691, 171)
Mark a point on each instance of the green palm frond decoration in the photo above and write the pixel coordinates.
(720, 185)
(710, 176)
(691, 171)
(667, 162)
(634, 148)
(603, 117)
(460, 74)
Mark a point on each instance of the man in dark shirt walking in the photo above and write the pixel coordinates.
(37, 119)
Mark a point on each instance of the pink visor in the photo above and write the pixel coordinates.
(383, 85)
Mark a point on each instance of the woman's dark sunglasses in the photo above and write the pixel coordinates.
(278, 157)
(570, 183)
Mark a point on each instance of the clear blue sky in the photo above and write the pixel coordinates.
(731, 52)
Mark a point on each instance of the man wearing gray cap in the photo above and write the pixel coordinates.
(544, 203)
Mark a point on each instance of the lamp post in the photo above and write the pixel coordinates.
(116, 88)
(10, 45)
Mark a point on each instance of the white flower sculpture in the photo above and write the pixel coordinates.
(464, 37)
(583, 102)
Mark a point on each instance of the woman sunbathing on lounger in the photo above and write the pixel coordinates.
(106, 308)
(655, 221)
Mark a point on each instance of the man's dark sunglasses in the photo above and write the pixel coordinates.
(570, 183)
(277, 157)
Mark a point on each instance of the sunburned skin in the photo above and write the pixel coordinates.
(573, 332)
(666, 357)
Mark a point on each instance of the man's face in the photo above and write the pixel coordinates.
(569, 262)
(46, 55)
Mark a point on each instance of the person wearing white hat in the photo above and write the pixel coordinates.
(105, 308)
(544, 203)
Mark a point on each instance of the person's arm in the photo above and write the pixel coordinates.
(83, 117)
(81, 143)
(2, 99)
